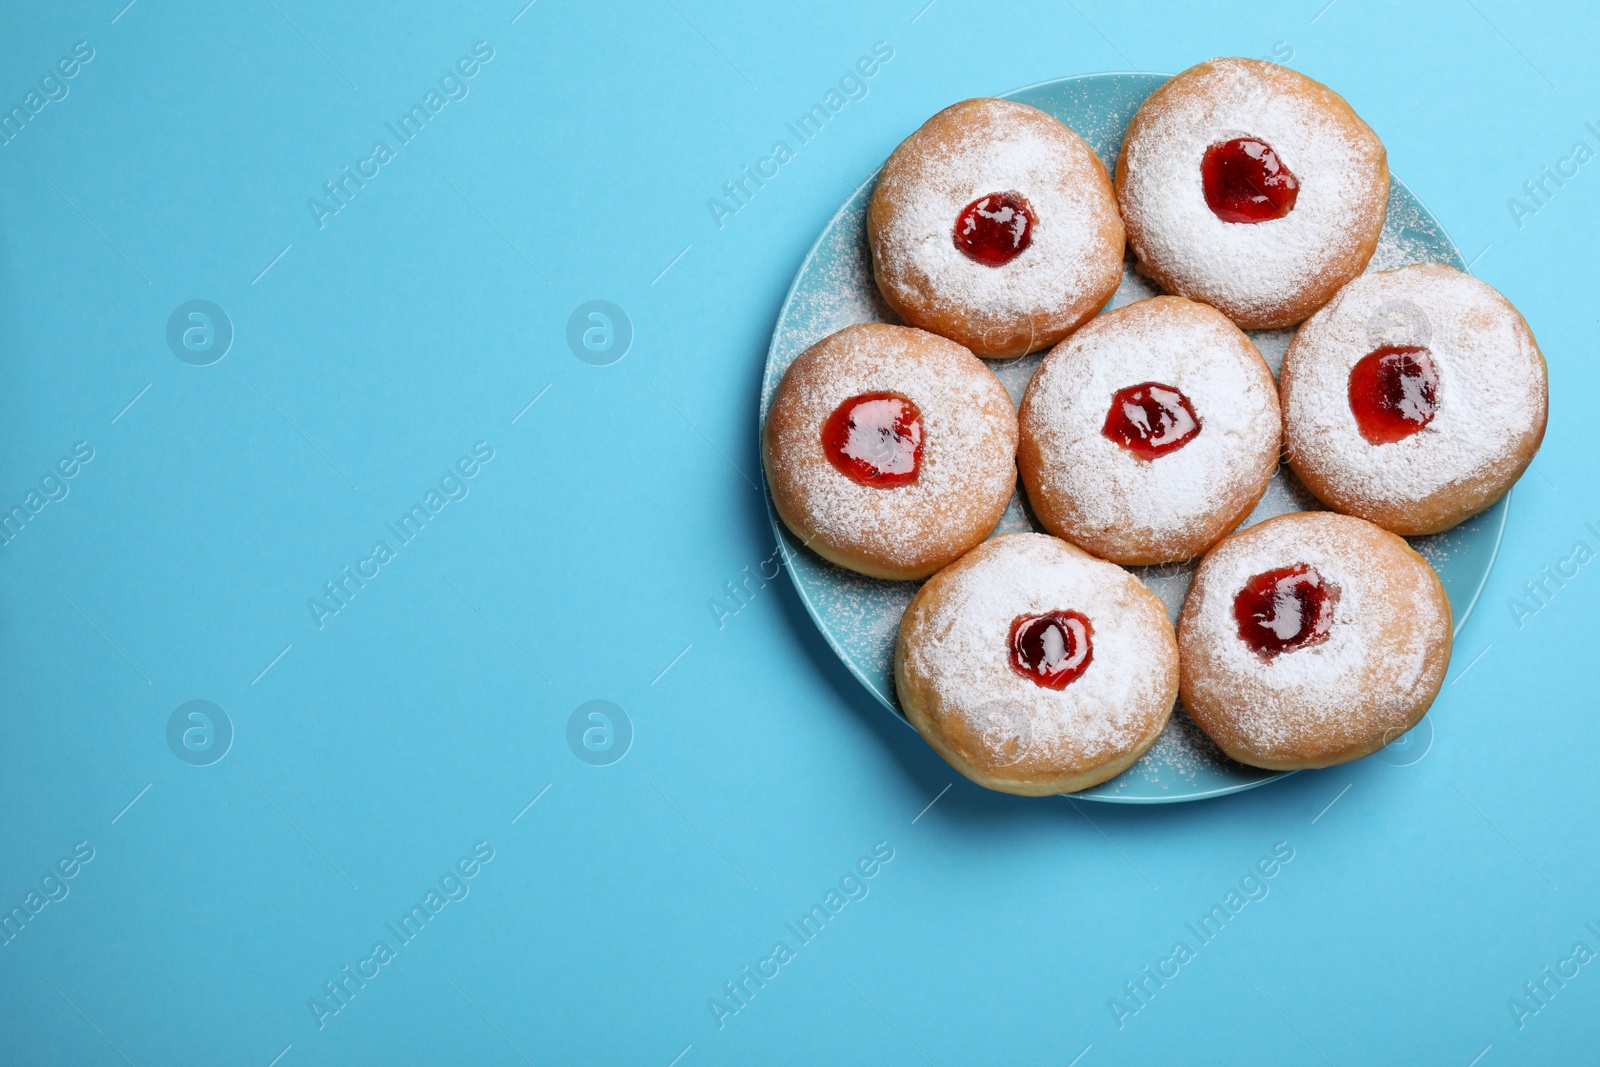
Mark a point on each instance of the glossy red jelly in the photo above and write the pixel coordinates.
(1151, 419)
(1394, 392)
(876, 439)
(1285, 609)
(1245, 181)
(995, 229)
(1053, 649)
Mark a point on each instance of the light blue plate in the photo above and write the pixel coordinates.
(860, 616)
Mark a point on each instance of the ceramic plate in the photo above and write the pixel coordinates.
(860, 616)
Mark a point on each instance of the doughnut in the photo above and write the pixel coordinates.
(1150, 433)
(995, 225)
(1414, 400)
(890, 451)
(1251, 188)
(1034, 668)
(1311, 639)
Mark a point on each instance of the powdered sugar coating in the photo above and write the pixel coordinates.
(1090, 490)
(1260, 274)
(967, 472)
(954, 647)
(859, 617)
(1365, 684)
(1491, 396)
(970, 150)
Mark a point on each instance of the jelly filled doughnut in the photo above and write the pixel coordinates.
(995, 225)
(1253, 189)
(1415, 399)
(1311, 639)
(1034, 668)
(890, 451)
(1149, 433)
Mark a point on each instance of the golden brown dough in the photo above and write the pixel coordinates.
(1262, 275)
(968, 151)
(1368, 680)
(955, 679)
(1489, 403)
(1095, 492)
(967, 471)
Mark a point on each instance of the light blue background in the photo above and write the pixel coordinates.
(429, 712)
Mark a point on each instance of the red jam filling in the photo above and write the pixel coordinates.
(1053, 649)
(995, 229)
(1151, 420)
(876, 439)
(1245, 181)
(1394, 392)
(1284, 610)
